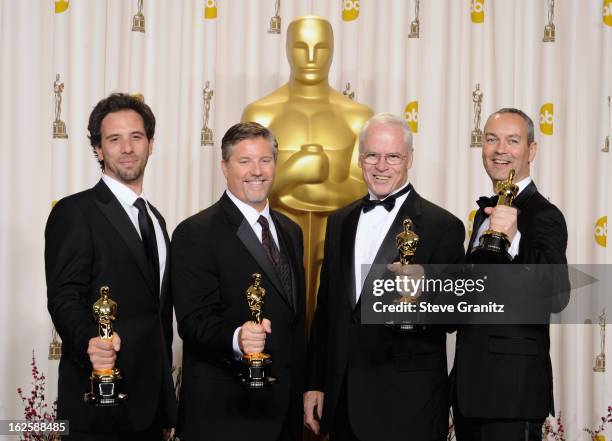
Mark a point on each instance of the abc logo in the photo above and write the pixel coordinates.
(61, 6)
(350, 10)
(606, 12)
(411, 113)
(546, 119)
(471, 223)
(477, 10)
(601, 231)
(210, 9)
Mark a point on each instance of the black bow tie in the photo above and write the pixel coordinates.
(368, 204)
(484, 201)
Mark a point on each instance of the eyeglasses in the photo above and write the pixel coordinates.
(391, 158)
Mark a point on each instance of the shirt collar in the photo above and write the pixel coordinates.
(121, 191)
(522, 184)
(373, 197)
(250, 213)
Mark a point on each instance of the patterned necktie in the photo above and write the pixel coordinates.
(147, 232)
(268, 242)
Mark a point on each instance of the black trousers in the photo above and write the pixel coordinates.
(480, 429)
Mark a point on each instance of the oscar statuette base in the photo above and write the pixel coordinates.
(255, 372)
(105, 389)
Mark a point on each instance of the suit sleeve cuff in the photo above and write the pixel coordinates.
(514, 246)
(237, 352)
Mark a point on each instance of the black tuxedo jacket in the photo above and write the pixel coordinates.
(397, 383)
(91, 242)
(214, 254)
(504, 371)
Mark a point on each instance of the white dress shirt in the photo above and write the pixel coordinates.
(514, 246)
(251, 215)
(371, 231)
(126, 198)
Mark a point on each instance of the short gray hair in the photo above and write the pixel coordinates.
(528, 121)
(386, 119)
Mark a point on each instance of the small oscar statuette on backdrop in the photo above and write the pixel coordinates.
(493, 245)
(55, 347)
(59, 126)
(477, 132)
(549, 28)
(275, 21)
(105, 382)
(255, 372)
(415, 24)
(138, 20)
(606, 146)
(206, 136)
(347, 92)
(600, 359)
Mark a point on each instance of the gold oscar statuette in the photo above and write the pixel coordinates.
(206, 136)
(407, 243)
(415, 24)
(606, 146)
(105, 382)
(549, 28)
(59, 126)
(138, 20)
(275, 21)
(317, 129)
(347, 92)
(55, 347)
(477, 132)
(600, 359)
(493, 245)
(255, 372)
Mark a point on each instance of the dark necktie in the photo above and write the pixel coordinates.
(147, 232)
(268, 242)
(368, 204)
(484, 202)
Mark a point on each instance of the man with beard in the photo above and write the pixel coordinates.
(111, 236)
(214, 256)
(378, 382)
(503, 374)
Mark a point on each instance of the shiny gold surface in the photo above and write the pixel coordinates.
(317, 130)
(255, 297)
(507, 190)
(407, 243)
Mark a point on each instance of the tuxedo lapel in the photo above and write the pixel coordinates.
(165, 276)
(288, 244)
(347, 253)
(388, 253)
(249, 239)
(479, 218)
(116, 215)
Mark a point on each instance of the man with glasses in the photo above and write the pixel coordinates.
(369, 382)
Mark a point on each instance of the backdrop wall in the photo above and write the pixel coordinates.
(563, 85)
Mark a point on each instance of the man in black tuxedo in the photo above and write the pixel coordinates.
(502, 373)
(375, 382)
(214, 254)
(110, 235)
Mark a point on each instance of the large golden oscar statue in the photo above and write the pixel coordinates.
(317, 128)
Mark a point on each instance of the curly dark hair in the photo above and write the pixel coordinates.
(115, 103)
